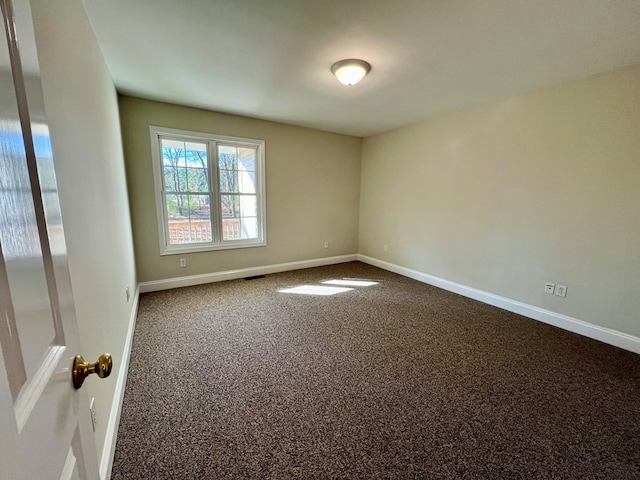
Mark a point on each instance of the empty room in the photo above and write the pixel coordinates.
(320, 240)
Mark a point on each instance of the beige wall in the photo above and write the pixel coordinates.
(312, 185)
(542, 187)
(82, 110)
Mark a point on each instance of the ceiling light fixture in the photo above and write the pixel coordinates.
(351, 71)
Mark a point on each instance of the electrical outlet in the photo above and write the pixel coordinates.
(548, 288)
(128, 292)
(385, 247)
(561, 291)
(183, 262)
(92, 411)
(326, 244)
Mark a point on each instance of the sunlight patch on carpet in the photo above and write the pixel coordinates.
(315, 290)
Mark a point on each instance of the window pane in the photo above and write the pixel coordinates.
(199, 218)
(189, 220)
(175, 206)
(237, 158)
(227, 157)
(199, 206)
(247, 159)
(170, 179)
(196, 152)
(239, 214)
(248, 227)
(230, 205)
(173, 153)
(239, 228)
(175, 179)
(248, 206)
(230, 229)
(228, 181)
(247, 182)
(197, 180)
(176, 156)
(169, 143)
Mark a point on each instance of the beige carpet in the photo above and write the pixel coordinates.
(399, 380)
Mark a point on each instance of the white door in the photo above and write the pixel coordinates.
(45, 426)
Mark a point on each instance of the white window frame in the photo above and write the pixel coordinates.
(212, 142)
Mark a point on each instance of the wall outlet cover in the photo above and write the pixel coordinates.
(561, 291)
(548, 288)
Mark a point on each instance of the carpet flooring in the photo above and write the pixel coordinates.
(399, 380)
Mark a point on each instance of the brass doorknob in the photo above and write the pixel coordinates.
(82, 369)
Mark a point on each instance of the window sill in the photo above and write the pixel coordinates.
(208, 248)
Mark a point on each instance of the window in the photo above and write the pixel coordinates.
(209, 191)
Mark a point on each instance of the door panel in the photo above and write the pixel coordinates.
(44, 422)
(31, 319)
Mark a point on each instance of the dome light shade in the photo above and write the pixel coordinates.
(351, 71)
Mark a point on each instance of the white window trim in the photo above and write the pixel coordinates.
(212, 140)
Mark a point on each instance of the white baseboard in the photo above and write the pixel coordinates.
(191, 280)
(603, 334)
(106, 462)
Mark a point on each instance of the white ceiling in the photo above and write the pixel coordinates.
(271, 59)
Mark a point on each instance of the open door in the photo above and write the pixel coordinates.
(45, 426)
